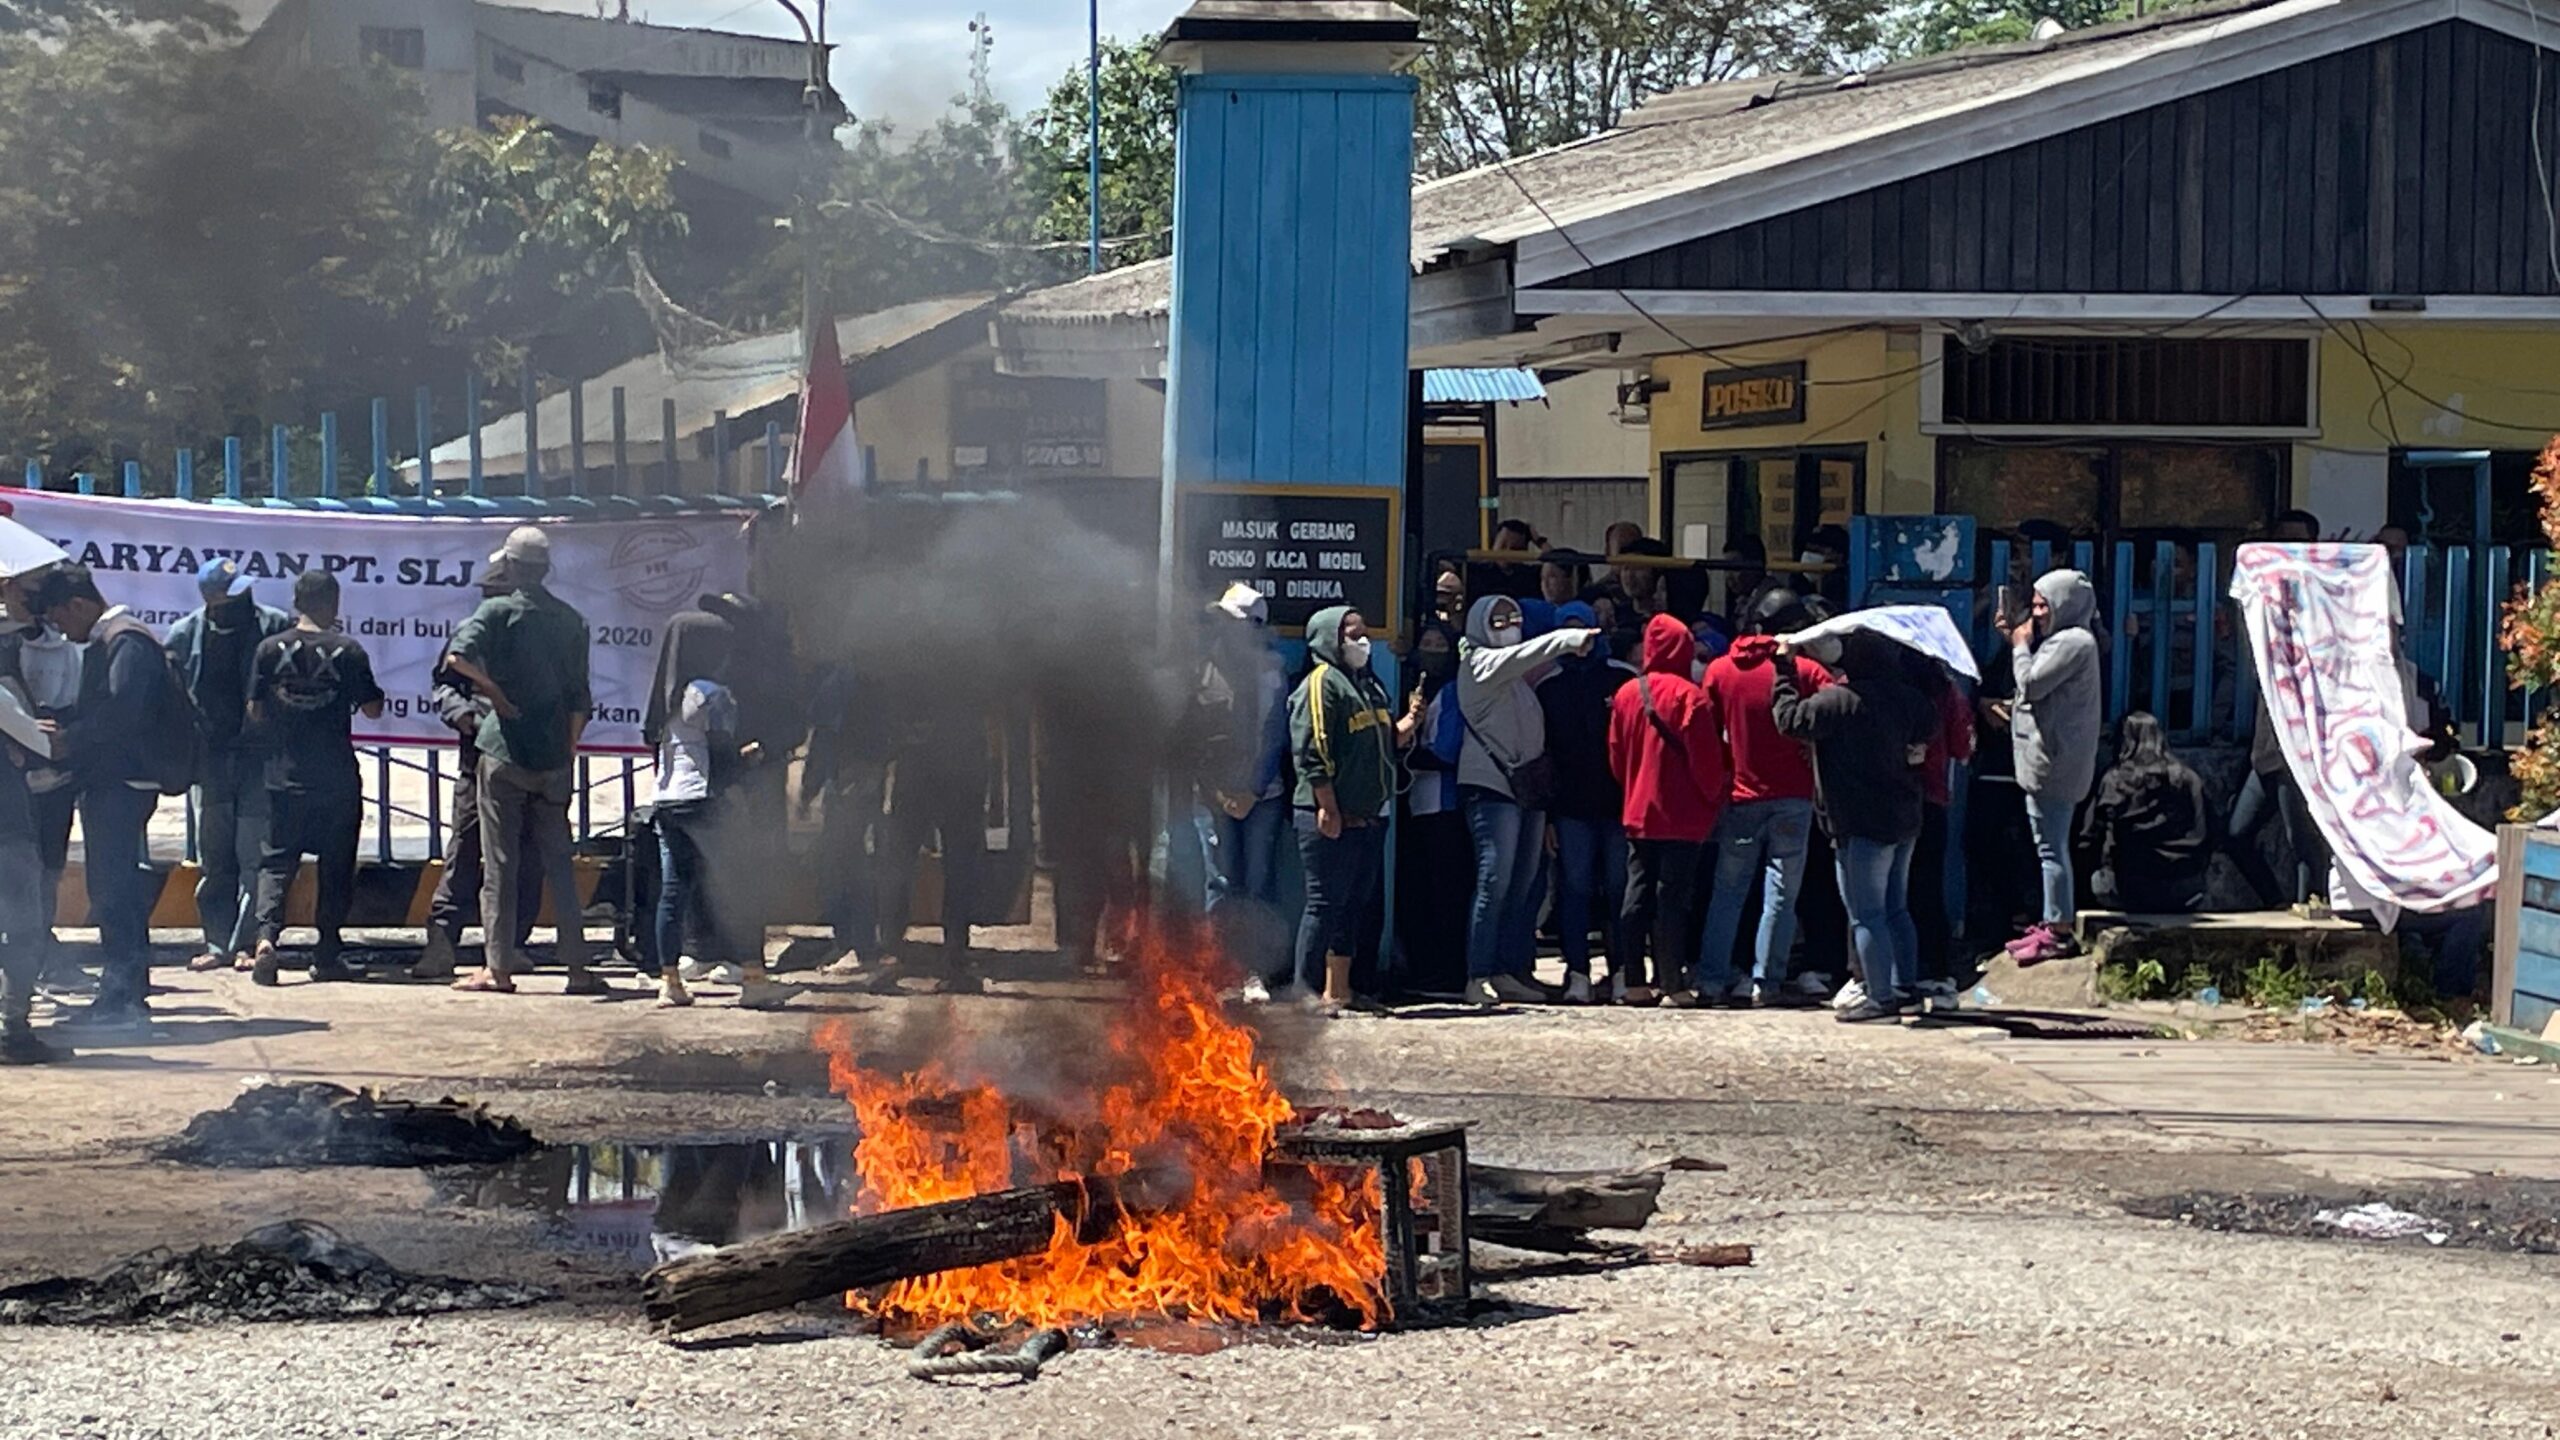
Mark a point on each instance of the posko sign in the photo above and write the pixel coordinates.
(407, 583)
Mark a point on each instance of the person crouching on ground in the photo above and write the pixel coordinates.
(1344, 734)
(1666, 748)
(1869, 733)
(2151, 827)
(2055, 729)
(1506, 781)
(305, 690)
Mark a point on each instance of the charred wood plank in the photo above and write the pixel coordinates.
(866, 1250)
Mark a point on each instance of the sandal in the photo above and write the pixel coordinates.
(210, 960)
(481, 982)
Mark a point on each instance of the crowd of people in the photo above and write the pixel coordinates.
(1737, 818)
(1731, 804)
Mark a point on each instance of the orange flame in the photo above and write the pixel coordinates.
(1182, 1089)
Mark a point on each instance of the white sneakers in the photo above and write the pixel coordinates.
(1851, 996)
(1255, 992)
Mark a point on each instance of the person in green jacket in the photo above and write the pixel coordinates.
(1344, 734)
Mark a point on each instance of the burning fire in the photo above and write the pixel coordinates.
(1181, 1090)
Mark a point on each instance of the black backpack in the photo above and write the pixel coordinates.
(174, 748)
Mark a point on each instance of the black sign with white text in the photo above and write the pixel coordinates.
(1303, 547)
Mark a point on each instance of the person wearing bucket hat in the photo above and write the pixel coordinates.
(526, 651)
(214, 649)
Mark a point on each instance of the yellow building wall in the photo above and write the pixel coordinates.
(907, 423)
(2419, 387)
(1861, 388)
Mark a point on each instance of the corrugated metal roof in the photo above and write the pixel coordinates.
(1692, 140)
(733, 378)
(1480, 387)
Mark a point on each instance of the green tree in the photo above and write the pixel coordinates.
(1139, 95)
(1937, 26)
(1506, 77)
(186, 246)
(945, 211)
(528, 238)
(180, 19)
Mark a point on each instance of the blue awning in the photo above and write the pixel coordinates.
(1480, 387)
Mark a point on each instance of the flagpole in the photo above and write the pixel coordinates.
(804, 219)
(1093, 138)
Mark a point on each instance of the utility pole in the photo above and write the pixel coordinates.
(804, 219)
(1093, 138)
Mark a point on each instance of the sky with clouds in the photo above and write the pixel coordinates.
(908, 60)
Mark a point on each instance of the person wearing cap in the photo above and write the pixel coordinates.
(214, 649)
(526, 652)
(1243, 705)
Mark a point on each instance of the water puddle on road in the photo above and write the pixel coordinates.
(640, 1202)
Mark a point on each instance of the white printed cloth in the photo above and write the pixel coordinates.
(2322, 621)
(409, 581)
(1925, 628)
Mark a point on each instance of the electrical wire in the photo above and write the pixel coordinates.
(2541, 167)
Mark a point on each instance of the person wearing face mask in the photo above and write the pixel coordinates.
(1435, 861)
(1506, 782)
(1344, 733)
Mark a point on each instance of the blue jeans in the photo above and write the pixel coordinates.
(1342, 874)
(2049, 820)
(1875, 888)
(1247, 853)
(1509, 846)
(1591, 864)
(679, 888)
(1767, 839)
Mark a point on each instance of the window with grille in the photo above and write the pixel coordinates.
(2098, 382)
(402, 45)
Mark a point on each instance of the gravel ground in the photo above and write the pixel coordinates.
(1941, 1252)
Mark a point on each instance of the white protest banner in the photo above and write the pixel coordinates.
(1925, 628)
(2322, 630)
(408, 582)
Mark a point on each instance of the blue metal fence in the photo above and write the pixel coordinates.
(406, 805)
(2175, 645)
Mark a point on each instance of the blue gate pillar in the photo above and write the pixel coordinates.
(1293, 218)
(1286, 365)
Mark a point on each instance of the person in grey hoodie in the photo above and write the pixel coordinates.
(2055, 729)
(1503, 745)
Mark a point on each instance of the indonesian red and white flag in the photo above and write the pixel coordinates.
(829, 462)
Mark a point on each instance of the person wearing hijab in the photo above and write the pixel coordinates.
(2151, 828)
(2054, 730)
(1344, 733)
(1435, 861)
(1869, 733)
(1505, 781)
(693, 722)
(1590, 844)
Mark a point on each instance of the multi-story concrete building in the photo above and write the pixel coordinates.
(727, 105)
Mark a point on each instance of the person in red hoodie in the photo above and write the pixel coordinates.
(1665, 749)
(1768, 827)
